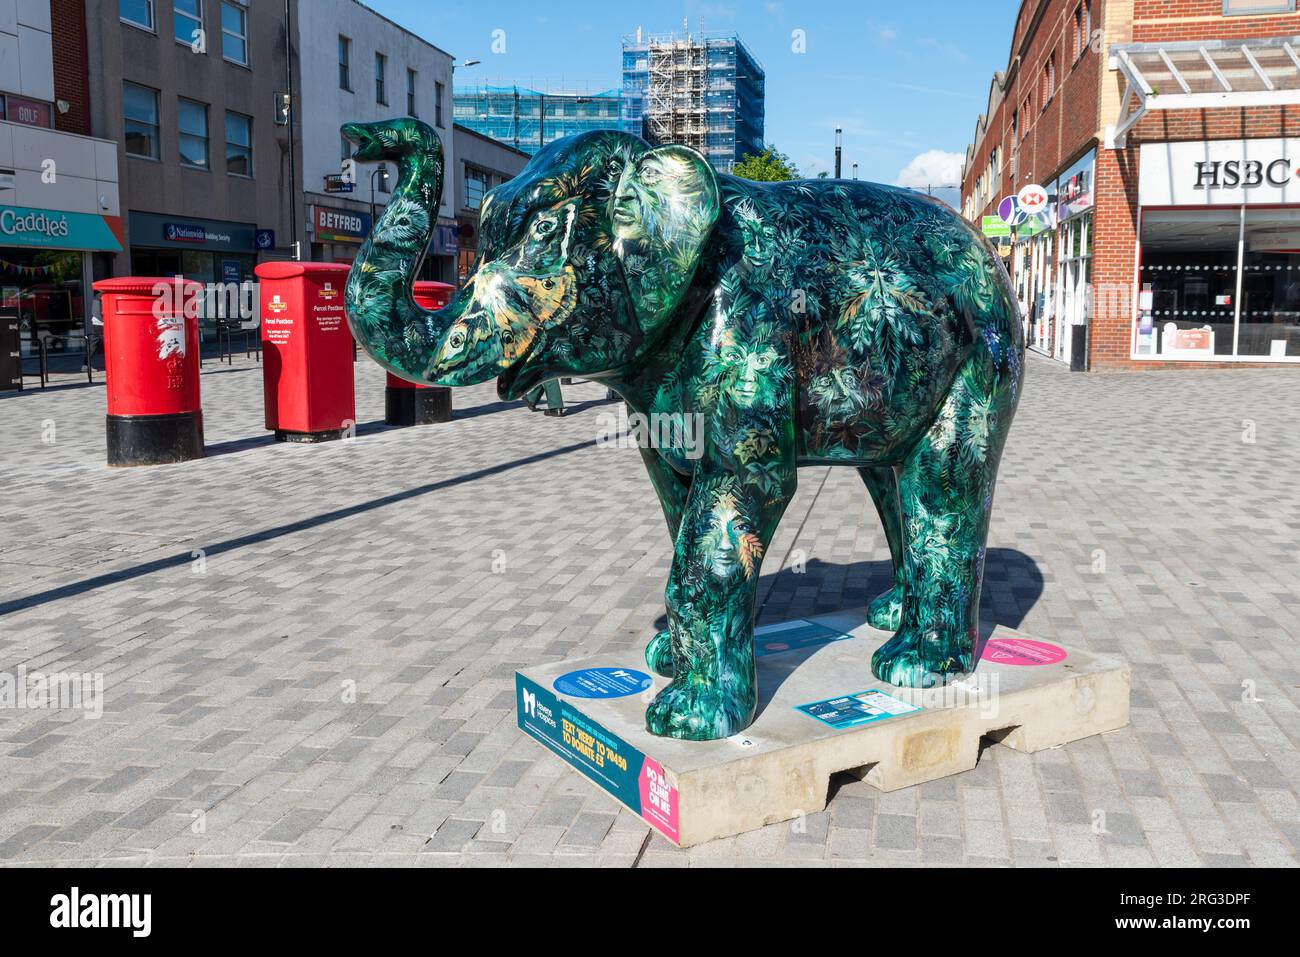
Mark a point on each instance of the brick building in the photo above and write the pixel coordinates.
(1163, 140)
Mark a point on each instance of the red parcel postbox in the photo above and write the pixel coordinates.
(307, 372)
(408, 403)
(151, 363)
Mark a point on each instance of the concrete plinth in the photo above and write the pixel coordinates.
(820, 712)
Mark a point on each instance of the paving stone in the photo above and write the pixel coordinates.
(336, 685)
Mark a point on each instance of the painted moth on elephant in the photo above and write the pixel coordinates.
(804, 323)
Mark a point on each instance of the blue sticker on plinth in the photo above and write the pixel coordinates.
(602, 683)
(861, 708)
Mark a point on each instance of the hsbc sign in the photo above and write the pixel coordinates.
(1220, 173)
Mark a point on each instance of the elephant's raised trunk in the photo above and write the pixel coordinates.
(386, 321)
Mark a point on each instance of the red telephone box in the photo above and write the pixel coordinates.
(151, 362)
(307, 370)
(408, 403)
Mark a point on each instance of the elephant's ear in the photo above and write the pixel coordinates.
(663, 211)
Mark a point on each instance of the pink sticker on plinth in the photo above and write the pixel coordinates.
(1022, 651)
(658, 799)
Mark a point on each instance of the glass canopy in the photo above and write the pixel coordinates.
(1200, 74)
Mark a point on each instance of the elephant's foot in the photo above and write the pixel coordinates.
(914, 660)
(693, 708)
(659, 655)
(886, 611)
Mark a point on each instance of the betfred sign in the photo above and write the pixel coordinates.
(1220, 173)
(332, 225)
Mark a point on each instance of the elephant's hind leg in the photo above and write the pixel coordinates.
(886, 610)
(946, 490)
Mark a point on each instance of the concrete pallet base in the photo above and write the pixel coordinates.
(781, 766)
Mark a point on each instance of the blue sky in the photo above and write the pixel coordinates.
(905, 80)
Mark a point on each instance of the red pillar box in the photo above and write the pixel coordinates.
(151, 361)
(407, 403)
(307, 347)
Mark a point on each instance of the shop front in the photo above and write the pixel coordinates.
(46, 268)
(337, 233)
(205, 250)
(1032, 262)
(1051, 263)
(1218, 271)
(1074, 235)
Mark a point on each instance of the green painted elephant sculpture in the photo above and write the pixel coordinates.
(820, 322)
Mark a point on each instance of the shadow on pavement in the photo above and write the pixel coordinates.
(231, 544)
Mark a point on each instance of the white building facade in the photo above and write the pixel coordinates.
(358, 66)
(59, 203)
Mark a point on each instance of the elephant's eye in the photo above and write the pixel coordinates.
(548, 284)
(507, 337)
(544, 227)
(615, 165)
(650, 175)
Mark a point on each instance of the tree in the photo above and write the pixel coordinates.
(771, 166)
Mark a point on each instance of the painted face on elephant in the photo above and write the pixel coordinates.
(746, 371)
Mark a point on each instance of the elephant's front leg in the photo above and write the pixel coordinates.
(710, 598)
(741, 486)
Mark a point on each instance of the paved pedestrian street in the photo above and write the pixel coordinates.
(308, 652)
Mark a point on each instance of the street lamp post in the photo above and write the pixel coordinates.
(839, 145)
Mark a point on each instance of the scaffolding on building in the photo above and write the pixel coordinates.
(526, 118)
(700, 90)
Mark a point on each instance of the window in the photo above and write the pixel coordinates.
(345, 63)
(1049, 79)
(1219, 282)
(438, 92)
(138, 13)
(140, 113)
(187, 20)
(381, 71)
(239, 144)
(192, 125)
(1269, 325)
(411, 79)
(345, 146)
(1015, 125)
(475, 187)
(1237, 8)
(234, 32)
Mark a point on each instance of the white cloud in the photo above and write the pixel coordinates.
(932, 168)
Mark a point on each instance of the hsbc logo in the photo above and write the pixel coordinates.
(1244, 174)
